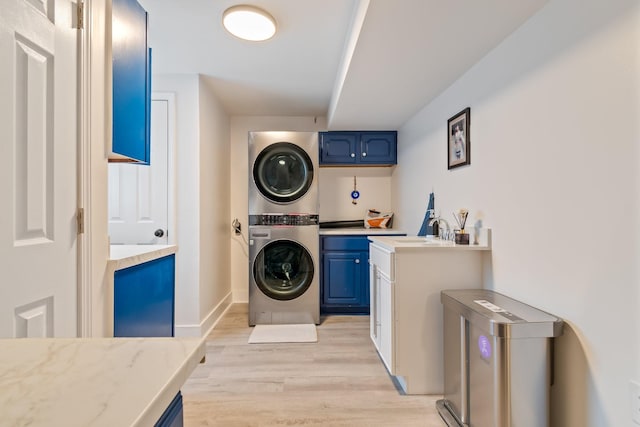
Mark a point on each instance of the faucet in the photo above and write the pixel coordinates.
(439, 220)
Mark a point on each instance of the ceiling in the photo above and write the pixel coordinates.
(364, 64)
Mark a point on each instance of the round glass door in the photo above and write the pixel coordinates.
(283, 270)
(283, 172)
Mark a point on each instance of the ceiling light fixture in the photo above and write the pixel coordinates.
(249, 23)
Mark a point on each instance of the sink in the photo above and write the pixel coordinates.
(434, 242)
(422, 240)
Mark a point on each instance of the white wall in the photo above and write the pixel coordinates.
(96, 297)
(336, 185)
(240, 127)
(215, 260)
(554, 172)
(201, 278)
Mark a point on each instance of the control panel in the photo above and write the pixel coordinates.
(291, 219)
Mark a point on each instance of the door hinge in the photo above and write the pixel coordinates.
(80, 15)
(80, 220)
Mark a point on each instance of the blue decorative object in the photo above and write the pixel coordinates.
(426, 228)
(355, 193)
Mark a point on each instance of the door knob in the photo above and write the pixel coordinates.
(159, 232)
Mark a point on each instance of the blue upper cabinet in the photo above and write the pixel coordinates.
(131, 83)
(350, 148)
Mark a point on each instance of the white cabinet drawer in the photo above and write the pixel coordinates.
(383, 259)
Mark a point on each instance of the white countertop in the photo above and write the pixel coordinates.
(94, 381)
(395, 243)
(123, 256)
(359, 231)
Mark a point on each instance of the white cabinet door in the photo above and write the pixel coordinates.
(387, 323)
(382, 323)
(38, 168)
(374, 298)
(138, 194)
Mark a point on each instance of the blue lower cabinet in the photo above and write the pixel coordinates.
(345, 275)
(144, 299)
(173, 416)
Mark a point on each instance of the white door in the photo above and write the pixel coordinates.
(38, 168)
(138, 194)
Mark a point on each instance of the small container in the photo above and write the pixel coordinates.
(461, 238)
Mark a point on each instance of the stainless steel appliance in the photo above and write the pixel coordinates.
(283, 169)
(498, 364)
(283, 269)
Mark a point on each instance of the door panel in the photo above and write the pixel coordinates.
(138, 194)
(38, 173)
(283, 172)
(342, 276)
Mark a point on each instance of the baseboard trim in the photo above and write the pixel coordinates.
(208, 323)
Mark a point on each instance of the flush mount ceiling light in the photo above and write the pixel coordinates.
(249, 23)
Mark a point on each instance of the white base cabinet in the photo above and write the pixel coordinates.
(381, 316)
(406, 313)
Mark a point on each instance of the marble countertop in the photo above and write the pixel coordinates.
(359, 231)
(401, 243)
(123, 256)
(92, 381)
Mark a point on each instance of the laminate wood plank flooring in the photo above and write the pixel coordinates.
(338, 381)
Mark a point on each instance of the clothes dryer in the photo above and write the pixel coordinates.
(283, 168)
(284, 286)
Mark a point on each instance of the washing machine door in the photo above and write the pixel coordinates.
(283, 172)
(283, 270)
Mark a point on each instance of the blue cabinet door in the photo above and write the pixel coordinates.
(378, 148)
(144, 298)
(342, 274)
(338, 147)
(173, 416)
(358, 148)
(131, 81)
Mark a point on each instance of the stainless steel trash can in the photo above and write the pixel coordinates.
(497, 360)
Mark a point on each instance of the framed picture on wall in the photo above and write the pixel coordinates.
(458, 144)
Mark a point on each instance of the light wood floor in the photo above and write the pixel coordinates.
(338, 381)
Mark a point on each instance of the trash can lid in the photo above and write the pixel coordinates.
(500, 315)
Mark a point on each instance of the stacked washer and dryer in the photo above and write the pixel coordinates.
(284, 286)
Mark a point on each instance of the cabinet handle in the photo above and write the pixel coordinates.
(353, 154)
(364, 154)
(357, 261)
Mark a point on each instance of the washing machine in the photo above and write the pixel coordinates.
(284, 285)
(283, 168)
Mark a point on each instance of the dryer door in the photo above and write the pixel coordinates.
(283, 270)
(283, 172)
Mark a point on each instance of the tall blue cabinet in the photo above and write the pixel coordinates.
(131, 81)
